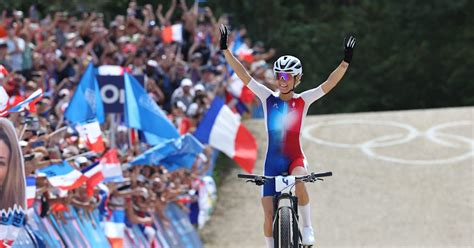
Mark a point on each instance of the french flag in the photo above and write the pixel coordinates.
(238, 89)
(114, 228)
(28, 103)
(30, 191)
(4, 101)
(172, 33)
(63, 176)
(92, 134)
(222, 129)
(111, 70)
(111, 169)
(94, 176)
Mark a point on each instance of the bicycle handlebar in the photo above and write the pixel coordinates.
(259, 180)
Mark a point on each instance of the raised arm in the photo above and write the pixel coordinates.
(339, 72)
(238, 68)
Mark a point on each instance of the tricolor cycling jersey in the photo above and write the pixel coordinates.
(283, 122)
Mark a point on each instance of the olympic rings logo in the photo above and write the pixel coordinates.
(433, 134)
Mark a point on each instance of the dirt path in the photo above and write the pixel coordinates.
(401, 179)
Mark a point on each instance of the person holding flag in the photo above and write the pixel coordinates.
(284, 112)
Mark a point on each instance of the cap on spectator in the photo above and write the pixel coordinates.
(23, 143)
(152, 63)
(122, 128)
(70, 36)
(198, 87)
(3, 43)
(124, 39)
(196, 56)
(81, 160)
(142, 191)
(79, 43)
(113, 24)
(186, 82)
(181, 105)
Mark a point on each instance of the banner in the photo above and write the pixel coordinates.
(112, 91)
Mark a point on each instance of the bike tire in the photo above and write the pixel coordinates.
(285, 228)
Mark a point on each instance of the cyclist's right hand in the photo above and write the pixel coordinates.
(224, 34)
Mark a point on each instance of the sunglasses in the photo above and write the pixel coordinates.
(283, 75)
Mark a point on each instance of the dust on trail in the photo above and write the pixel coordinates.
(395, 194)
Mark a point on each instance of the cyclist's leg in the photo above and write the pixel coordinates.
(267, 203)
(297, 168)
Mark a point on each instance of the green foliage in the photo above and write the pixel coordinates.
(410, 54)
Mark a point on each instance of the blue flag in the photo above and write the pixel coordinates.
(86, 104)
(142, 113)
(176, 153)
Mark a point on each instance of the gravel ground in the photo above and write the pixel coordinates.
(401, 179)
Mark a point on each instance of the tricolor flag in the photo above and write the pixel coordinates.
(114, 228)
(238, 89)
(30, 191)
(63, 176)
(221, 128)
(28, 103)
(94, 176)
(92, 134)
(172, 33)
(4, 101)
(241, 50)
(111, 70)
(111, 169)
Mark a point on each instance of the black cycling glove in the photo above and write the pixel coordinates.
(349, 45)
(224, 34)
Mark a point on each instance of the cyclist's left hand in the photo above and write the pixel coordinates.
(224, 34)
(349, 45)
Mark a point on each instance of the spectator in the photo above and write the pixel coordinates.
(184, 93)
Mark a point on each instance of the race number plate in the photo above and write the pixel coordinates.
(284, 184)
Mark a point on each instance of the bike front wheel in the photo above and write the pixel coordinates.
(285, 228)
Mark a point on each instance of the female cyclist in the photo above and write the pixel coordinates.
(284, 115)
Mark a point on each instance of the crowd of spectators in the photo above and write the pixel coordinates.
(50, 51)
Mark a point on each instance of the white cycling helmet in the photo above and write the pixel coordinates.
(289, 64)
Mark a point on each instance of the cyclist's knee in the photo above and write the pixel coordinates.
(299, 170)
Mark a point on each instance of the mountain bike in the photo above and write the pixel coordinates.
(286, 232)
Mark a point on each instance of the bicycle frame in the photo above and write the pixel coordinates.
(285, 201)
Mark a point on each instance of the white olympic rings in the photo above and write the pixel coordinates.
(433, 134)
